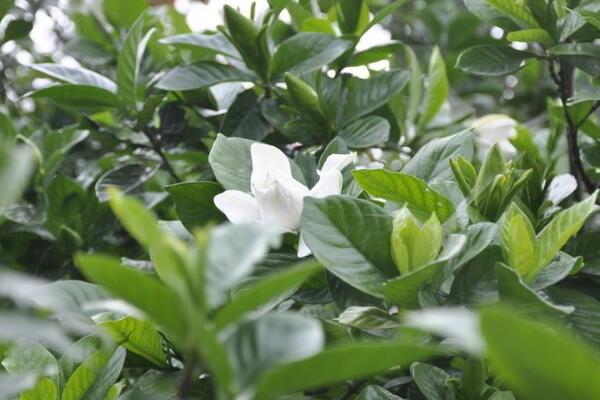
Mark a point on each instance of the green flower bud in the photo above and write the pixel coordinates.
(415, 245)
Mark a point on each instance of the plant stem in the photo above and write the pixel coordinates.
(564, 81)
(187, 382)
(158, 150)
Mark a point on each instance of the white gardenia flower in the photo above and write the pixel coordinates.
(277, 198)
(495, 129)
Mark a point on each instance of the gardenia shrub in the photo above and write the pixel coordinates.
(283, 209)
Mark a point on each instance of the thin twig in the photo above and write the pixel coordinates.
(158, 150)
(564, 82)
(588, 114)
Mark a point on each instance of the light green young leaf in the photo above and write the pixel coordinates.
(437, 89)
(515, 10)
(562, 227)
(519, 243)
(94, 377)
(31, 358)
(45, 389)
(138, 336)
(531, 36)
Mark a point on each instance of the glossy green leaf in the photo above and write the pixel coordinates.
(431, 380)
(366, 132)
(123, 14)
(194, 203)
(432, 161)
(492, 60)
(79, 96)
(514, 10)
(351, 238)
(76, 76)
(366, 95)
(201, 75)
(306, 52)
(217, 43)
(405, 189)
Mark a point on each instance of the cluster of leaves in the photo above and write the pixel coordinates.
(443, 270)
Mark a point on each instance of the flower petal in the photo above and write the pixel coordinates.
(237, 206)
(337, 162)
(303, 249)
(280, 201)
(492, 129)
(329, 183)
(267, 158)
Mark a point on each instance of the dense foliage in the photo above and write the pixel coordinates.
(280, 210)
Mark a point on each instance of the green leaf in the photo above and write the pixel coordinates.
(45, 389)
(230, 161)
(366, 132)
(368, 318)
(514, 10)
(232, 253)
(303, 97)
(216, 43)
(306, 52)
(269, 290)
(275, 339)
(138, 336)
(127, 178)
(31, 358)
(338, 364)
(244, 118)
(432, 161)
(194, 203)
(513, 290)
(366, 95)
(373, 392)
(16, 167)
(492, 60)
(201, 75)
(129, 63)
(79, 96)
(382, 14)
(76, 76)
(542, 374)
(531, 36)
(352, 15)
(148, 294)
(375, 53)
(431, 380)
(405, 189)
(94, 377)
(123, 14)
(138, 221)
(519, 241)
(17, 29)
(404, 291)
(437, 88)
(562, 227)
(351, 238)
(591, 17)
